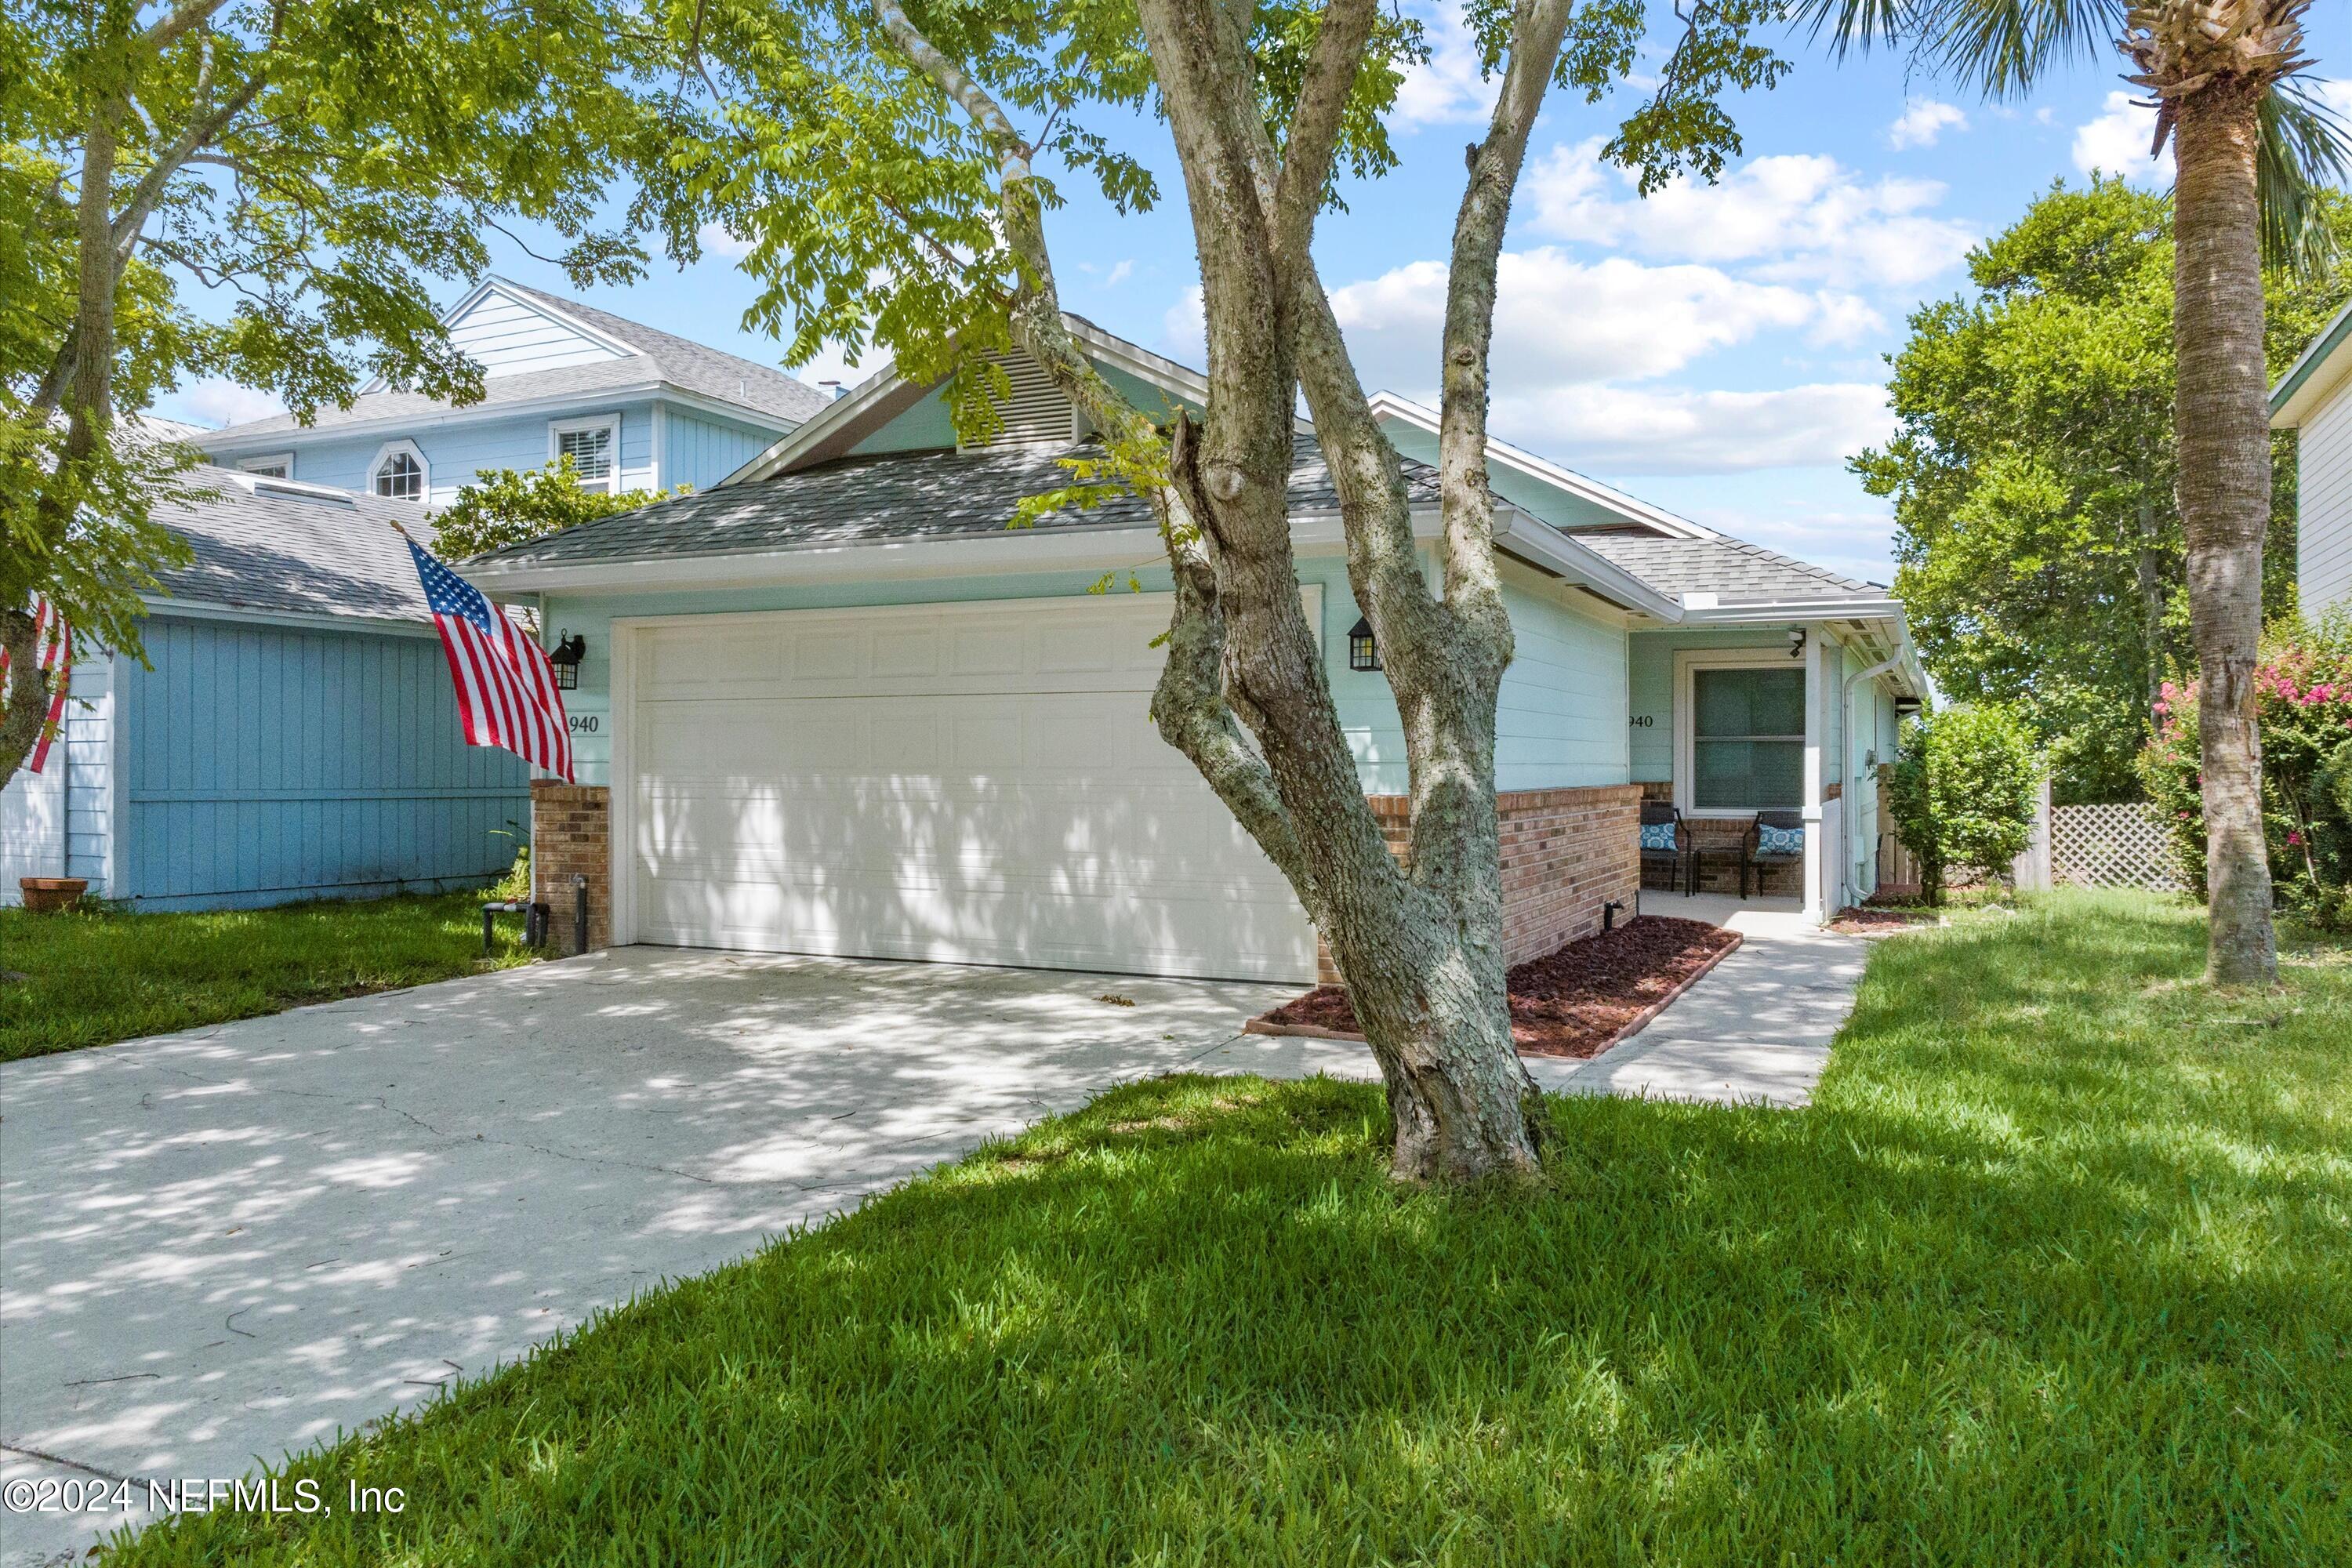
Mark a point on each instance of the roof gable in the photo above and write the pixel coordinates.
(508, 331)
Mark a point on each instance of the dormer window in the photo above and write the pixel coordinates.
(593, 446)
(399, 473)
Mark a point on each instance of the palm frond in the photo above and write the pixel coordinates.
(2303, 152)
(2001, 49)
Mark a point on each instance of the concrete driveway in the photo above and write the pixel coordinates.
(222, 1245)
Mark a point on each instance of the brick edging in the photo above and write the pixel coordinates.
(1264, 1025)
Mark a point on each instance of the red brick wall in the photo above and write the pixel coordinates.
(1566, 852)
(571, 834)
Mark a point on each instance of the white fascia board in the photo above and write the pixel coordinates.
(1179, 381)
(1389, 405)
(1867, 607)
(1539, 544)
(1002, 551)
(2315, 374)
(163, 606)
(591, 400)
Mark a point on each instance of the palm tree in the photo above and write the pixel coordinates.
(2248, 150)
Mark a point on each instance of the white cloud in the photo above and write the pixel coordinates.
(2116, 143)
(719, 240)
(1120, 273)
(1559, 322)
(1184, 329)
(1787, 218)
(1446, 88)
(1625, 431)
(213, 401)
(1922, 121)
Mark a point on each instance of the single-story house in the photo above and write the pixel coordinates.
(293, 735)
(833, 704)
(2314, 399)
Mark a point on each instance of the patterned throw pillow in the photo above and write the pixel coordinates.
(1770, 840)
(1658, 836)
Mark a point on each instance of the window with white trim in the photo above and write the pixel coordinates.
(277, 465)
(1747, 737)
(593, 446)
(399, 472)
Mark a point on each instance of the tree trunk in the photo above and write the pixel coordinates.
(2222, 415)
(2148, 573)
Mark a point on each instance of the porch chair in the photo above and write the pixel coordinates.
(1664, 838)
(1775, 838)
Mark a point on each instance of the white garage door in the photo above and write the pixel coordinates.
(976, 783)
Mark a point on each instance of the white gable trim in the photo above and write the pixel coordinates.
(864, 400)
(540, 308)
(1388, 406)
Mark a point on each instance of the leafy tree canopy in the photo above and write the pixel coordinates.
(322, 165)
(502, 507)
(2039, 547)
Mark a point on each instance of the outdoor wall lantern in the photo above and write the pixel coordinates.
(1796, 642)
(565, 658)
(1363, 653)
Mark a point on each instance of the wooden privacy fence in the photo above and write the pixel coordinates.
(2123, 844)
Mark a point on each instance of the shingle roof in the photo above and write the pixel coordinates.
(1731, 568)
(894, 496)
(943, 493)
(663, 356)
(280, 549)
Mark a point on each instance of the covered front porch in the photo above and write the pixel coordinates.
(1758, 733)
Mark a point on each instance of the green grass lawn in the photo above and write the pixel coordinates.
(2057, 1271)
(100, 976)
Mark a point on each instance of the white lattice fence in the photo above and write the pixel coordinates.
(2118, 845)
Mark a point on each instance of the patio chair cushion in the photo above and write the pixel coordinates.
(1771, 840)
(1658, 836)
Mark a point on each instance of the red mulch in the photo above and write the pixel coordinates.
(1579, 1000)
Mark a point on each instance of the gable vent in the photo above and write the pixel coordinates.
(1036, 411)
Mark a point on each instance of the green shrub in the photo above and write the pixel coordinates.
(2303, 704)
(1964, 791)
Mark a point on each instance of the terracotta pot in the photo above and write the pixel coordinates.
(47, 895)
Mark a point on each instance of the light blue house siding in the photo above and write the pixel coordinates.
(1559, 722)
(260, 763)
(695, 449)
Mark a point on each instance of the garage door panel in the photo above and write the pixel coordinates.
(853, 806)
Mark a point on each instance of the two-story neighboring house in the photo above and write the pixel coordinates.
(633, 408)
(2314, 398)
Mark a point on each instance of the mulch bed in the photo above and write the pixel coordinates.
(1578, 1002)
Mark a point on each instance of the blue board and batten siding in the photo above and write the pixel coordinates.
(263, 763)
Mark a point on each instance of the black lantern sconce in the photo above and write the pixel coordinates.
(1363, 653)
(565, 657)
(1796, 642)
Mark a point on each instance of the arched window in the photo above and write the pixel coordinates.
(400, 473)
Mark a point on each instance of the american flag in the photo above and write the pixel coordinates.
(55, 640)
(506, 688)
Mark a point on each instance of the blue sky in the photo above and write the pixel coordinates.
(1715, 350)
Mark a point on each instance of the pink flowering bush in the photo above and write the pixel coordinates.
(2303, 695)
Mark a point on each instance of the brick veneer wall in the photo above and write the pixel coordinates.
(1566, 852)
(571, 834)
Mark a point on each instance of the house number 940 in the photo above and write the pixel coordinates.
(1643, 722)
(583, 723)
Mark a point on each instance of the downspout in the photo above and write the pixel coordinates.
(1845, 705)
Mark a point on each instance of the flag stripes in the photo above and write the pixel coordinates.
(506, 689)
(54, 637)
